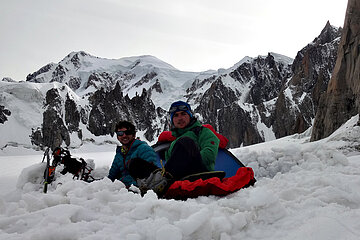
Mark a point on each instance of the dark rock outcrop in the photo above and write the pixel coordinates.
(269, 76)
(57, 125)
(54, 131)
(74, 83)
(236, 125)
(4, 113)
(216, 97)
(109, 107)
(72, 115)
(145, 79)
(33, 76)
(156, 87)
(100, 79)
(342, 98)
(264, 78)
(59, 74)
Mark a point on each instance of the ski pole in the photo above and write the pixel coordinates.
(47, 169)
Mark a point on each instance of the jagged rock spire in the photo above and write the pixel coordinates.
(342, 98)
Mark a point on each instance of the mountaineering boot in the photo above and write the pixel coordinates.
(159, 181)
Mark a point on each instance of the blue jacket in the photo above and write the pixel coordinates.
(119, 168)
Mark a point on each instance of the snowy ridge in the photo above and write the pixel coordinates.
(82, 74)
(304, 190)
(129, 71)
(77, 68)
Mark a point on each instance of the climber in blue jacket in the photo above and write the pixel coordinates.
(132, 148)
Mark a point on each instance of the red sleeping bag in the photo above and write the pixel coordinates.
(213, 186)
(182, 190)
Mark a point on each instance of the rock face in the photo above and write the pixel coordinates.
(297, 102)
(32, 77)
(54, 130)
(342, 100)
(110, 107)
(259, 80)
(57, 124)
(236, 124)
(72, 115)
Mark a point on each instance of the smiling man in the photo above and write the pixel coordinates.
(195, 148)
(131, 150)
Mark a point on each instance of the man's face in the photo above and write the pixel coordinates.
(125, 139)
(181, 119)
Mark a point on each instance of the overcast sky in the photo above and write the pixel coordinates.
(191, 35)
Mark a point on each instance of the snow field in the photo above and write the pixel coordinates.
(304, 190)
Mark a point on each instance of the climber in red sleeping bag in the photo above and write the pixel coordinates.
(187, 165)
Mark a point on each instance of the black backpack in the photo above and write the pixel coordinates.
(77, 167)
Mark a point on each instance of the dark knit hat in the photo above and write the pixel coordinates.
(126, 124)
(179, 106)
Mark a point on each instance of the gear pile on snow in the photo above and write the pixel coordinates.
(78, 167)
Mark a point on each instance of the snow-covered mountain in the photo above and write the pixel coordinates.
(82, 97)
(85, 74)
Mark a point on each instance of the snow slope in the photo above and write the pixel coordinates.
(304, 190)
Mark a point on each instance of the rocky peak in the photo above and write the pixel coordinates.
(237, 125)
(316, 60)
(328, 34)
(296, 104)
(341, 100)
(269, 77)
(326, 37)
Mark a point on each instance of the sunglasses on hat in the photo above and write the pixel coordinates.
(178, 108)
(121, 133)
